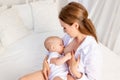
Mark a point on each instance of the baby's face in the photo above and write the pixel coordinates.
(58, 45)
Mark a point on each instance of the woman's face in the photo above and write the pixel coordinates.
(71, 30)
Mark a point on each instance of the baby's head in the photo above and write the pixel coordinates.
(54, 44)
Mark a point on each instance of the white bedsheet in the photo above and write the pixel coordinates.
(111, 65)
(26, 56)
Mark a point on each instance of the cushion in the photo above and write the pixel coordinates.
(25, 13)
(11, 27)
(3, 8)
(2, 49)
(45, 17)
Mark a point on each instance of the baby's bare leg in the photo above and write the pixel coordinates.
(69, 77)
(57, 78)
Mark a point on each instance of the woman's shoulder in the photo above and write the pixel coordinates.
(89, 44)
(89, 41)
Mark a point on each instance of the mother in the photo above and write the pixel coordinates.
(80, 40)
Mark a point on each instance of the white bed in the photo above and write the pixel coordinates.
(22, 36)
(24, 56)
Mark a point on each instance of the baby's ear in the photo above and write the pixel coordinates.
(52, 47)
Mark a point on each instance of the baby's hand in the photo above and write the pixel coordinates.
(68, 55)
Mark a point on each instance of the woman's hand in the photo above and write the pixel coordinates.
(74, 63)
(45, 69)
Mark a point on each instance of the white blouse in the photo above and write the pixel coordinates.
(90, 58)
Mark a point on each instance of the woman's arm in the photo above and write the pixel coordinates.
(46, 69)
(61, 60)
(73, 66)
(92, 63)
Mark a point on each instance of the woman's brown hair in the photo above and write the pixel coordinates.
(75, 12)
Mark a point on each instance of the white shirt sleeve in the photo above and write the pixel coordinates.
(92, 63)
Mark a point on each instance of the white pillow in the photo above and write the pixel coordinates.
(25, 14)
(2, 50)
(11, 27)
(45, 17)
(3, 8)
(0, 45)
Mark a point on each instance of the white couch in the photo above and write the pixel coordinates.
(23, 29)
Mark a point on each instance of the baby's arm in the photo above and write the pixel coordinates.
(61, 60)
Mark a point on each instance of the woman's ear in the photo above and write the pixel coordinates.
(76, 25)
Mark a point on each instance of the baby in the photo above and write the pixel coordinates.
(58, 66)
